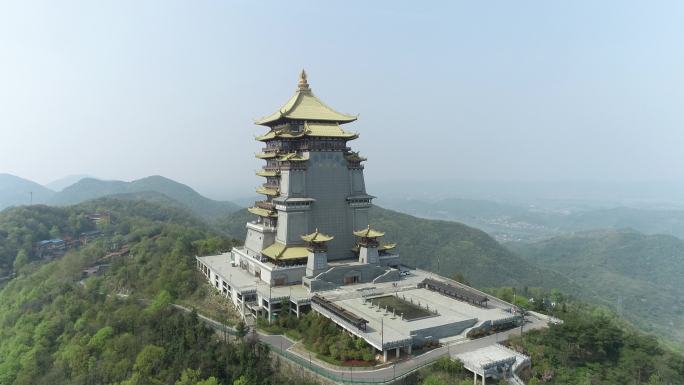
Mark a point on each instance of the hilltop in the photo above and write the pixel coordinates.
(14, 191)
(89, 188)
(17, 191)
(66, 181)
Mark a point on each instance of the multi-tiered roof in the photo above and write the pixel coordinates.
(304, 122)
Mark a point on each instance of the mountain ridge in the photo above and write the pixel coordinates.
(16, 190)
(90, 188)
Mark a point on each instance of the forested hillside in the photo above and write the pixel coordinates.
(21, 227)
(593, 346)
(56, 329)
(451, 247)
(638, 274)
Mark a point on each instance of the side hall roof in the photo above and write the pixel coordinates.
(317, 236)
(280, 252)
(369, 233)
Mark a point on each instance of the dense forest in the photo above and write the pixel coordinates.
(638, 274)
(58, 329)
(593, 346)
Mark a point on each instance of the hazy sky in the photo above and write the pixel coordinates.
(487, 90)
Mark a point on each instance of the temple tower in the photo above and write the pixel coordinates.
(313, 180)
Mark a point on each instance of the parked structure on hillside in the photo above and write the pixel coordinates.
(50, 248)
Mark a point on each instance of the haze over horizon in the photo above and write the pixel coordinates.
(521, 91)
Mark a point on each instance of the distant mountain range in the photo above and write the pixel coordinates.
(517, 222)
(16, 191)
(62, 183)
(639, 275)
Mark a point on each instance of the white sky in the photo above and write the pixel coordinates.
(566, 90)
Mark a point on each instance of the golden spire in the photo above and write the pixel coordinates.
(303, 84)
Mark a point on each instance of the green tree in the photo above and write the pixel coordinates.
(55, 232)
(656, 380)
(459, 277)
(433, 380)
(189, 377)
(148, 364)
(161, 301)
(20, 260)
(209, 381)
(98, 340)
(241, 329)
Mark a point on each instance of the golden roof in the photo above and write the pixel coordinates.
(267, 136)
(328, 130)
(280, 252)
(369, 233)
(317, 236)
(304, 105)
(266, 155)
(387, 246)
(262, 212)
(325, 130)
(268, 173)
(267, 191)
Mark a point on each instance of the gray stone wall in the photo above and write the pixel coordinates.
(291, 226)
(329, 182)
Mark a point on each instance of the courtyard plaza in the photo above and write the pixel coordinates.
(445, 319)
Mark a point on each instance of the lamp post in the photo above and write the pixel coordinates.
(382, 336)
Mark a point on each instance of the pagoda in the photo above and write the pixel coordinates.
(312, 180)
(313, 184)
